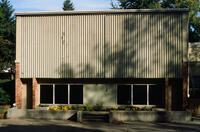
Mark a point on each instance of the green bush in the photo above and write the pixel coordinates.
(88, 107)
(4, 97)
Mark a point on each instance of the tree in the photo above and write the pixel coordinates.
(135, 4)
(4, 97)
(68, 5)
(194, 20)
(193, 5)
(7, 34)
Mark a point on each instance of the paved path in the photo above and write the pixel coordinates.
(30, 125)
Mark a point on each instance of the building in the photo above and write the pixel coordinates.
(114, 57)
(194, 75)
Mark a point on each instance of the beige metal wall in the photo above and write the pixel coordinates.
(120, 45)
(100, 94)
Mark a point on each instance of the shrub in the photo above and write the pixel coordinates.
(98, 107)
(4, 97)
(88, 107)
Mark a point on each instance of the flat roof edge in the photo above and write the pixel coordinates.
(102, 12)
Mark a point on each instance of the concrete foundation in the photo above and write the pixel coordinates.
(14, 113)
(114, 116)
(150, 116)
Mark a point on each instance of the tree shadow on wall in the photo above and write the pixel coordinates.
(147, 46)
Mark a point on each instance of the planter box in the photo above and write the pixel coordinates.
(40, 114)
(149, 116)
(113, 116)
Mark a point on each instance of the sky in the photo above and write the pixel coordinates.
(56, 5)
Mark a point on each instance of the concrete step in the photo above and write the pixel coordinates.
(95, 117)
(196, 118)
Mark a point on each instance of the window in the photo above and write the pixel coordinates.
(61, 94)
(46, 94)
(141, 94)
(157, 95)
(124, 94)
(195, 86)
(76, 94)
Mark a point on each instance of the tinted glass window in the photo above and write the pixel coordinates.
(140, 94)
(157, 95)
(124, 94)
(76, 94)
(46, 94)
(195, 87)
(61, 94)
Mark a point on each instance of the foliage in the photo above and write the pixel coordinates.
(194, 20)
(60, 107)
(43, 105)
(7, 34)
(89, 107)
(4, 97)
(193, 5)
(68, 5)
(135, 4)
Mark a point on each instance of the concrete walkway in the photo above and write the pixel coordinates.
(30, 125)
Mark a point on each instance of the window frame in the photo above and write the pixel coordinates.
(117, 94)
(69, 93)
(132, 86)
(39, 93)
(68, 87)
(193, 88)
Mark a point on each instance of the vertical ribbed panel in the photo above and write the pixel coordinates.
(143, 45)
(132, 45)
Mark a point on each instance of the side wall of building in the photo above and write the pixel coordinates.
(120, 45)
(127, 46)
(194, 77)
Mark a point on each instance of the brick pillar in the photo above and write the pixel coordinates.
(185, 84)
(34, 93)
(166, 93)
(18, 86)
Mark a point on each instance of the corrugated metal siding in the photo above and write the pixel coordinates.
(143, 45)
(132, 45)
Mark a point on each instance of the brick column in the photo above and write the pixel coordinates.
(166, 93)
(18, 86)
(34, 93)
(185, 84)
